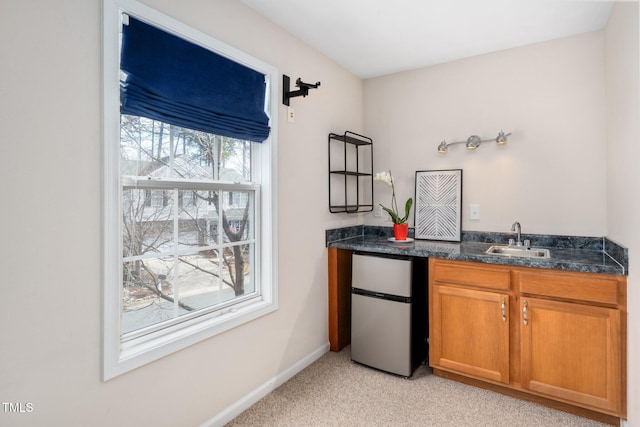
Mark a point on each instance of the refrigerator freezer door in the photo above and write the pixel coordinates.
(385, 275)
(381, 334)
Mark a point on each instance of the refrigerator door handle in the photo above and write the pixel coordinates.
(380, 295)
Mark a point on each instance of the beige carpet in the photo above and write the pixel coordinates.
(334, 391)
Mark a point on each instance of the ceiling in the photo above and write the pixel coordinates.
(372, 38)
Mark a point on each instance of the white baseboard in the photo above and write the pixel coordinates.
(254, 396)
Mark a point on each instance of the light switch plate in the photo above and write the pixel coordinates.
(474, 212)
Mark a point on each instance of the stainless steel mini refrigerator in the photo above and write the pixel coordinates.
(389, 312)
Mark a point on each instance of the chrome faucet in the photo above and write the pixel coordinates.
(516, 227)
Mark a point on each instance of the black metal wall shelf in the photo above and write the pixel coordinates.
(350, 173)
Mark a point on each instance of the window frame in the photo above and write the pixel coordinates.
(121, 356)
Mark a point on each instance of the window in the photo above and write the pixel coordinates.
(188, 216)
(180, 259)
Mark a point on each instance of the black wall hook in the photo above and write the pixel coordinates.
(303, 91)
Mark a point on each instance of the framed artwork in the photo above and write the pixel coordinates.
(438, 210)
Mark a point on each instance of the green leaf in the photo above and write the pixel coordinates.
(394, 218)
(407, 208)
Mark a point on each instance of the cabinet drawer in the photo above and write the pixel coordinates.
(461, 273)
(579, 287)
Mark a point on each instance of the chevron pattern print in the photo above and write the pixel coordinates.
(438, 205)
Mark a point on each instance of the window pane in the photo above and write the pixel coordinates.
(147, 296)
(214, 277)
(159, 150)
(236, 268)
(146, 227)
(237, 216)
(235, 160)
(196, 216)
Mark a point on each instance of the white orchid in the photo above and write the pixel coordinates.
(385, 176)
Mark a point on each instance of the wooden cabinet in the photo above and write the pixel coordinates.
(572, 352)
(572, 340)
(558, 338)
(471, 334)
(469, 318)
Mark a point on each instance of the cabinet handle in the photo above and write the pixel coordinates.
(503, 311)
(524, 313)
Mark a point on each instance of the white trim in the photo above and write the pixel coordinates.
(111, 271)
(249, 399)
(119, 358)
(170, 184)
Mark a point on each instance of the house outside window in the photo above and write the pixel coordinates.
(189, 230)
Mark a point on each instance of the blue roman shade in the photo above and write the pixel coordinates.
(175, 81)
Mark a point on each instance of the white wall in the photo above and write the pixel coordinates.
(551, 174)
(50, 146)
(623, 137)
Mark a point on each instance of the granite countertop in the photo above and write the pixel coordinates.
(568, 253)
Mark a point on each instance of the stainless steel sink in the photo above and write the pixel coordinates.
(518, 251)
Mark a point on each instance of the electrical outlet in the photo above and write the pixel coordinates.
(474, 212)
(377, 211)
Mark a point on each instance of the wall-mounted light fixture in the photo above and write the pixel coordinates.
(474, 142)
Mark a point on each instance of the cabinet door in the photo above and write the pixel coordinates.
(572, 351)
(470, 332)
